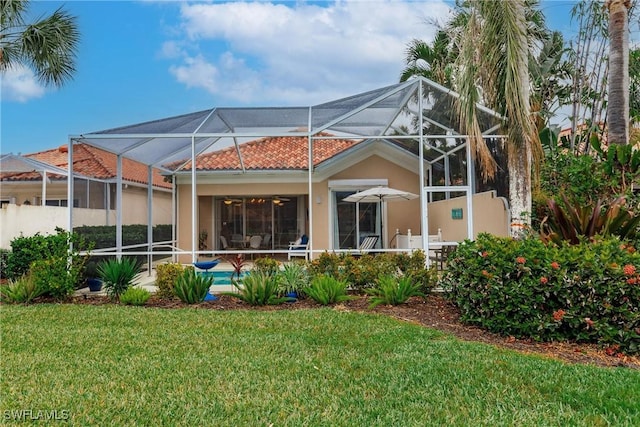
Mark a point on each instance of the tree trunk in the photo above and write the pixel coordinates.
(618, 105)
(522, 131)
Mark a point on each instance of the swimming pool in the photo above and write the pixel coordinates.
(221, 277)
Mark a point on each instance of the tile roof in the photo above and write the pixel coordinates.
(273, 153)
(92, 162)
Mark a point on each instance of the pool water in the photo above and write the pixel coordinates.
(220, 278)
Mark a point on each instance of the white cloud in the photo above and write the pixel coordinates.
(299, 53)
(19, 84)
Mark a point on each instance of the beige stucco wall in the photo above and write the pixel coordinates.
(490, 215)
(17, 219)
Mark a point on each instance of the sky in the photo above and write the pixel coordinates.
(145, 60)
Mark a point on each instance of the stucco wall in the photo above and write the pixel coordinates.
(490, 215)
(30, 219)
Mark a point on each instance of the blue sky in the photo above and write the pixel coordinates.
(145, 60)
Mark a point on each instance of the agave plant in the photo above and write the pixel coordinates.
(293, 278)
(573, 221)
(118, 274)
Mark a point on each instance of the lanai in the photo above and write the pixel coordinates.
(419, 115)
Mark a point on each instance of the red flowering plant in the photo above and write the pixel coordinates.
(587, 292)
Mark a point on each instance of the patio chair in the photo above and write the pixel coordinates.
(366, 245)
(299, 248)
(224, 244)
(266, 241)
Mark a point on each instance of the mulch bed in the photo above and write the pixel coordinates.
(433, 312)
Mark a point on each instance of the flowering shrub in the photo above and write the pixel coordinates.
(589, 292)
(362, 273)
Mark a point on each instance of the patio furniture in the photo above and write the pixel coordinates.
(299, 248)
(366, 245)
(224, 243)
(254, 243)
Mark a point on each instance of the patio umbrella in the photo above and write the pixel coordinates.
(380, 194)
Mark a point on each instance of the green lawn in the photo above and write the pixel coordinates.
(114, 365)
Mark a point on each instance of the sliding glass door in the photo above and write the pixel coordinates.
(275, 220)
(352, 222)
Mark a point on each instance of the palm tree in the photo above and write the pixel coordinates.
(434, 62)
(47, 46)
(494, 54)
(618, 106)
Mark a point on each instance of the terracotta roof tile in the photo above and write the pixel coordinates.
(273, 153)
(92, 162)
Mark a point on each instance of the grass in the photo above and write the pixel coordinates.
(115, 365)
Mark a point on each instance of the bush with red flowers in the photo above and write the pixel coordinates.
(588, 292)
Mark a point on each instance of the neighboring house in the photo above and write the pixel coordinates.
(33, 191)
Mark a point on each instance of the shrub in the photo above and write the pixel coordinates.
(20, 291)
(258, 289)
(293, 278)
(361, 273)
(266, 265)
(412, 265)
(104, 236)
(118, 274)
(192, 287)
(26, 250)
(54, 276)
(328, 264)
(135, 296)
(327, 290)
(588, 292)
(166, 276)
(390, 290)
(4, 257)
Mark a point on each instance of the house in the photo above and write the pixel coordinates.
(34, 191)
(253, 178)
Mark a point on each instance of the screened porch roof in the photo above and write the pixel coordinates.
(390, 112)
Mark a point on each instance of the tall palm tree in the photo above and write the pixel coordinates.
(494, 54)
(47, 46)
(618, 105)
